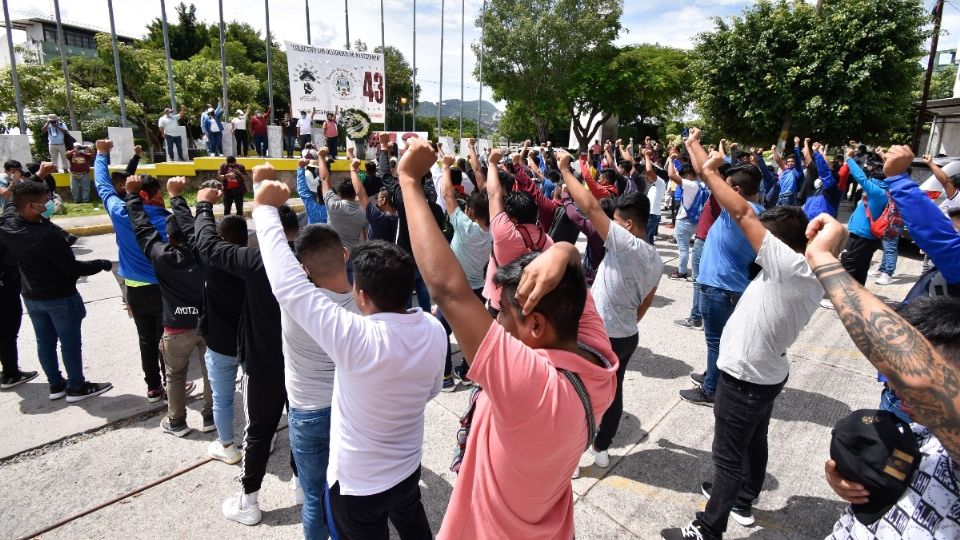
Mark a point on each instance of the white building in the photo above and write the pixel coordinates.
(39, 36)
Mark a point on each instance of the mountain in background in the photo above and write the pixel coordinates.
(489, 113)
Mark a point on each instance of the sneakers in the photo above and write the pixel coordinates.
(156, 394)
(600, 457)
(243, 508)
(883, 279)
(697, 396)
(460, 372)
(741, 514)
(693, 531)
(58, 390)
(88, 390)
(177, 430)
(678, 276)
(694, 324)
(226, 454)
(875, 272)
(827, 304)
(698, 378)
(18, 378)
(208, 424)
(297, 490)
(449, 385)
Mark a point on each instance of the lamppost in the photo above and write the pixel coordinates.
(403, 112)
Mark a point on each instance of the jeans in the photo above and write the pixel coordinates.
(177, 350)
(891, 402)
(423, 295)
(243, 144)
(80, 187)
(260, 144)
(174, 141)
(53, 320)
(233, 197)
(741, 417)
(716, 306)
(289, 144)
(683, 232)
(310, 444)
(695, 270)
(304, 139)
(891, 249)
(787, 199)
(222, 374)
(653, 226)
(354, 516)
(332, 144)
(624, 349)
(215, 143)
(146, 305)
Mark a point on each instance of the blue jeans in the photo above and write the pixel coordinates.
(891, 402)
(215, 144)
(653, 225)
(174, 141)
(716, 306)
(260, 144)
(310, 445)
(54, 320)
(891, 249)
(683, 232)
(787, 199)
(697, 251)
(80, 187)
(289, 144)
(222, 374)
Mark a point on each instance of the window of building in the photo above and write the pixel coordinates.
(71, 38)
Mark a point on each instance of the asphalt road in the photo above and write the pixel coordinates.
(59, 460)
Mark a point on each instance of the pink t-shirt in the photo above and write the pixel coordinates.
(329, 129)
(529, 430)
(508, 244)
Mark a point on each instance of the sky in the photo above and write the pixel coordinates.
(644, 21)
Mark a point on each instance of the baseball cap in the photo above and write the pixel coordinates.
(878, 450)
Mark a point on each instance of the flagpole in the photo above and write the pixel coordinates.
(383, 49)
(480, 98)
(66, 70)
(346, 18)
(463, 27)
(440, 100)
(166, 50)
(413, 114)
(306, 4)
(13, 65)
(223, 62)
(266, 4)
(116, 65)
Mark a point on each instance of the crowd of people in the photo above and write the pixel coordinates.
(321, 320)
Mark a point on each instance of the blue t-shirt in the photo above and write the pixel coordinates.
(727, 255)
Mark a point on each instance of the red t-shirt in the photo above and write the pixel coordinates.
(79, 161)
(258, 125)
(711, 211)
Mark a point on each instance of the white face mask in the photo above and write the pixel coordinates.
(817, 183)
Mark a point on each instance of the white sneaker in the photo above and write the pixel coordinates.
(243, 509)
(827, 304)
(228, 455)
(297, 490)
(875, 272)
(883, 279)
(600, 458)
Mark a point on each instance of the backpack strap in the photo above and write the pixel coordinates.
(585, 400)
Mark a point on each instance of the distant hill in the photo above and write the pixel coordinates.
(451, 109)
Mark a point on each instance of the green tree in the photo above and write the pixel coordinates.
(530, 48)
(941, 86)
(451, 127)
(848, 71)
(187, 36)
(399, 77)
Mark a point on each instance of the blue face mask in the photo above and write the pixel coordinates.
(49, 208)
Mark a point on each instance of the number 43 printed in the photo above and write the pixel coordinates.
(373, 87)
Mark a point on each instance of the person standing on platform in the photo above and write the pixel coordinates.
(212, 125)
(240, 132)
(56, 132)
(305, 128)
(290, 132)
(258, 125)
(331, 131)
(168, 122)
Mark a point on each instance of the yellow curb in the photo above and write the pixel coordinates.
(107, 228)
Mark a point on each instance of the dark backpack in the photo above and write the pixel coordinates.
(563, 229)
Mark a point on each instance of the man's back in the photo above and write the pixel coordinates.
(347, 218)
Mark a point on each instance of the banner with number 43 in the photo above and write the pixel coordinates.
(323, 79)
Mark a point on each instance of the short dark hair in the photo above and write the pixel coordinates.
(150, 186)
(346, 189)
(456, 177)
(520, 206)
(745, 177)
(12, 164)
(319, 243)
(562, 306)
(938, 319)
(608, 205)
(231, 159)
(507, 180)
(371, 168)
(480, 205)
(117, 177)
(953, 212)
(789, 224)
(233, 229)
(27, 192)
(555, 176)
(174, 232)
(635, 206)
(385, 273)
(288, 218)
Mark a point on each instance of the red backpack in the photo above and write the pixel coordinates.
(890, 222)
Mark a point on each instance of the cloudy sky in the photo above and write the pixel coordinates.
(644, 21)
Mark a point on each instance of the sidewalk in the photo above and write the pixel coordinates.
(95, 225)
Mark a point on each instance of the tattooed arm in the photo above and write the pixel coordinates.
(915, 369)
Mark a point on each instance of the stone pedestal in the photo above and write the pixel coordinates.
(180, 131)
(229, 142)
(274, 141)
(16, 147)
(122, 144)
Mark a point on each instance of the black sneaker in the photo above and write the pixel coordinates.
(697, 396)
(208, 424)
(461, 374)
(177, 430)
(695, 324)
(692, 531)
(58, 390)
(741, 514)
(88, 390)
(677, 276)
(18, 378)
(449, 385)
(697, 378)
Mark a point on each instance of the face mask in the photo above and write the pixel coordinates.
(817, 183)
(48, 208)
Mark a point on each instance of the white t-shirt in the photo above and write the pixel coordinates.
(239, 123)
(305, 125)
(214, 126)
(690, 189)
(628, 272)
(928, 510)
(953, 202)
(388, 366)
(773, 310)
(655, 195)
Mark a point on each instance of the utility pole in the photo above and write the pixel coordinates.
(483, 25)
(346, 17)
(116, 66)
(223, 64)
(13, 65)
(166, 49)
(931, 64)
(440, 100)
(66, 70)
(306, 4)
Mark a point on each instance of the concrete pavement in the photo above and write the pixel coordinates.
(59, 460)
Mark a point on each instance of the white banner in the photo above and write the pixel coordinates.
(323, 79)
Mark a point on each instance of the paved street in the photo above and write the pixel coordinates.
(60, 460)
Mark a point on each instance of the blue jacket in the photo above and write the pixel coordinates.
(133, 263)
(790, 178)
(769, 187)
(819, 203)
(205, 120)
(876, 192)
(316, 212)
(932, 231)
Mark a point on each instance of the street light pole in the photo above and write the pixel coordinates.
(66, 70)
(13, 65)
(440, 100)
(306, 4)
(116, 65)
(223, 63)
(166, 50)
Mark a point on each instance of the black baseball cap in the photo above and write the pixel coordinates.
(878, 450)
